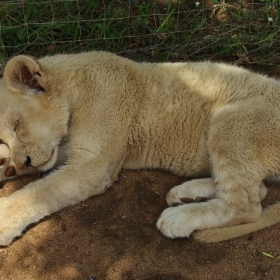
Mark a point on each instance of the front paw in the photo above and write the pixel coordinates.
(8, 234)
(176, 222)
(10, 224)
(16, 215)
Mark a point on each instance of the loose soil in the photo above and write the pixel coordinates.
(113, 236)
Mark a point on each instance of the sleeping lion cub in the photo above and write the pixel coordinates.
(97, 113)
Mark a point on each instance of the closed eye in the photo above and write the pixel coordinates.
(16, 128)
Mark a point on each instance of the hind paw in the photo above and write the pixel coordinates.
(198, 190)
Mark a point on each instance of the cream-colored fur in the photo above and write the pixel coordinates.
(107, 113)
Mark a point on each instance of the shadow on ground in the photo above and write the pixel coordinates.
(113, 236)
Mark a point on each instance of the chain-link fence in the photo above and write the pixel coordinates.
(240, 31)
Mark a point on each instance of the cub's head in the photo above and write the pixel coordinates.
(33, 116)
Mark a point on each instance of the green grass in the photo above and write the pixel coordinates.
(144, 31)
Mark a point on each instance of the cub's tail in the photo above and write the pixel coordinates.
(269, 217)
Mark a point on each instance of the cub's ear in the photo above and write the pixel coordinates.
(22, 74)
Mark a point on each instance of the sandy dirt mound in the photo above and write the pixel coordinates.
(113, 236)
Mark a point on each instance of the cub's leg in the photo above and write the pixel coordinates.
(198, 190)
(63, 187)
(38, 199)
(238, 154)
(238, 201)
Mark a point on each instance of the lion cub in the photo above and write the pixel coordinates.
(106, 113)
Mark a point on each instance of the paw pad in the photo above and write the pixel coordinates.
(200, 199)
(11, 171)
(187, 200)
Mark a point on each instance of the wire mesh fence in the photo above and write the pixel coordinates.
(240, 31)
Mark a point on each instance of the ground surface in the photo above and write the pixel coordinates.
(113, 236)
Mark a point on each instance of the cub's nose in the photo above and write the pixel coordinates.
(27, 162)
